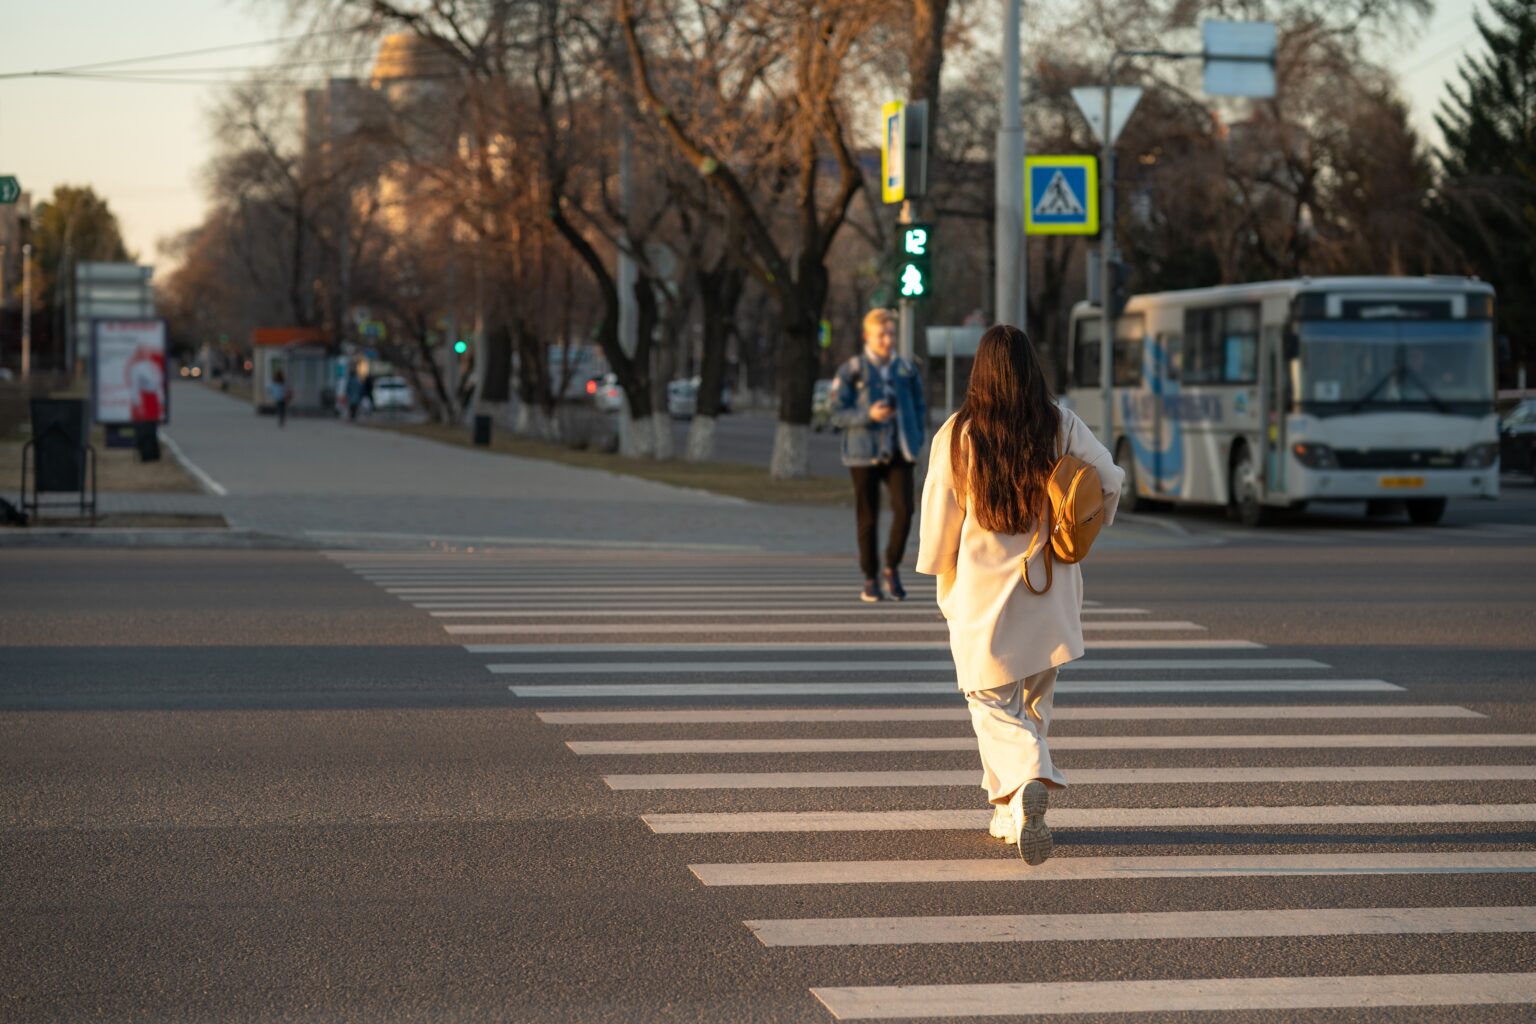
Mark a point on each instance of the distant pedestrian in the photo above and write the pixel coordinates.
(354, 388)
(877, 399)
(277, 394)
(986, 522)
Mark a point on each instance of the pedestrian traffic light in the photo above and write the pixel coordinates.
(913, 262)
(460, 347)
(1119, 288)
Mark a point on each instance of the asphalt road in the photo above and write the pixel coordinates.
(272, 785)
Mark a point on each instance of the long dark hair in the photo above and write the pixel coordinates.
(1003, 443)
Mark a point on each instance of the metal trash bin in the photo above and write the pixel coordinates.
(482, 430)
(146, 437)
(61, 460)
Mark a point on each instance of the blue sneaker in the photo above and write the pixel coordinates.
(871, 592)
(893, 586)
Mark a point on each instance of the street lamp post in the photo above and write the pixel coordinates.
(26, 310)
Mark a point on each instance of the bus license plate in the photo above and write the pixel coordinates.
(1402, 481)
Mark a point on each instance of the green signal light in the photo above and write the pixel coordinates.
(914, 283)
(460, 347)
(914, 241)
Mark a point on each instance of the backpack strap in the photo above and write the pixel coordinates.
(1048, 580)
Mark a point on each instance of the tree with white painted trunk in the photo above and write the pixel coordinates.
(774, 79)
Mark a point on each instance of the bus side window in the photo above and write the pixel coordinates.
(1201, 363)
(1240, 344)
(1173, 354)
(1129, 332)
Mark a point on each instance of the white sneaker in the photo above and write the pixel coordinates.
(1001, 826)
(1027, 822)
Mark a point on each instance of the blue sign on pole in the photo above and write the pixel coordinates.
(1061, 195)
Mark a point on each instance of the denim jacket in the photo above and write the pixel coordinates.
(859, 385)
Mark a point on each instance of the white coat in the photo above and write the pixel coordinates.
(998, 631)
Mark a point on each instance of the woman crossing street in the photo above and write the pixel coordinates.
(986, 523)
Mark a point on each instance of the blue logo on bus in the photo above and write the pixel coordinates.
(1159, 461)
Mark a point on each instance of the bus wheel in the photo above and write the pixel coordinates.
(1426, 511)
(1130, 501)
(1243, 488)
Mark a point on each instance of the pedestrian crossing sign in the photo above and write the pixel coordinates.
(1061, 195)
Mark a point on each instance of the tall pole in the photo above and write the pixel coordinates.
(1106, 260)
(26, 310)
(907, 322)
(1008, 227)
(629, 327)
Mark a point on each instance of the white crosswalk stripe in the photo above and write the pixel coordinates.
(1067, 713)
(1096, 817)
(1220, 995)
(904, 744)
(609, 632)
(1004, 869)
(1218, 775)
(1204, 924)
(1067, 689)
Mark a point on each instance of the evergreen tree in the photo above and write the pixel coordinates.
(1488, 193)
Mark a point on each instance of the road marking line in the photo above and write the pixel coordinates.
(563, 607)
(1344, 774)
(1011, 869)
(712, 628)
(1095, 817)
(717, 691)
(1229, 995)
(1131, 927)
(208, 483)
(1068, 713)
(913, 665)
(754, 647)
(639, 591)
(917, 744)
(819, 612)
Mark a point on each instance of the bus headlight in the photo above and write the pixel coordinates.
(1314, 455)
(1481, 456)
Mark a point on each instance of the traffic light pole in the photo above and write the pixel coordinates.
(1106, 260)
(908, 319)
(1009, 285)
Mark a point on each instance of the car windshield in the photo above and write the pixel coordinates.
(1367, 364)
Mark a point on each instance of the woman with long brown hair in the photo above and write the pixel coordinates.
(985, 522)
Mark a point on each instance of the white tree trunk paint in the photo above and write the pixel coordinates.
(662, 447)
(701, 439)
(791, 451)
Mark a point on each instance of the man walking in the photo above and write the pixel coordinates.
(877, 400)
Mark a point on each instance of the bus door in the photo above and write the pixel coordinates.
(1274, 380)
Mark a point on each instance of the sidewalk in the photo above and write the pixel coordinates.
(324, 481)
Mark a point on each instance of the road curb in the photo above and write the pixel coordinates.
(148, 537)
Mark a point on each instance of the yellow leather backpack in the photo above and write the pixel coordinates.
(1076, 495)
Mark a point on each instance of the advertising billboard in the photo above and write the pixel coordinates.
(128, 382)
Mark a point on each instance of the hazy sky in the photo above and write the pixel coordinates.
(142, 145)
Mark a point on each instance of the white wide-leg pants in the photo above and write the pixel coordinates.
(1011, 724)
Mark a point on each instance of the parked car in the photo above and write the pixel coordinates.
(683, 398)
(391, 393)
(606, 393)
(821, 405)
(1517, 439)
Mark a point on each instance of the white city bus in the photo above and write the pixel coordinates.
(1272, 395)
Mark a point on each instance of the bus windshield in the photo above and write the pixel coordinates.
(1354, 365)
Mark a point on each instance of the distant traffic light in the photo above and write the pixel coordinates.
(913, 263)
(1119, 288)
(460, 347)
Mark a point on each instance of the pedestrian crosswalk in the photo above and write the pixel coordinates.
(763, 728)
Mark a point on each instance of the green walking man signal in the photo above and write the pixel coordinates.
(914, 268)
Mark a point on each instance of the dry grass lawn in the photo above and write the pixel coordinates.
(728, 478)
(117, 469)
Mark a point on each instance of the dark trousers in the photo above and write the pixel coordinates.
(897, 476)
(282, 411)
